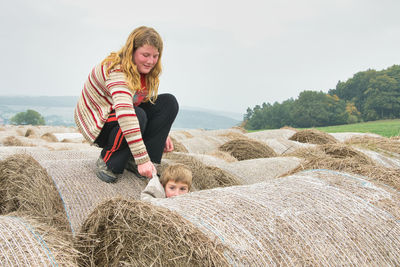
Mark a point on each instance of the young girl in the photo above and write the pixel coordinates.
(120, 109)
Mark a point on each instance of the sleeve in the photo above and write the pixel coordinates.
(126, 116)
(154, 189)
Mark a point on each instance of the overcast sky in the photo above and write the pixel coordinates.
(223, 55)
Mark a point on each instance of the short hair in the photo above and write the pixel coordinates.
(178, 173)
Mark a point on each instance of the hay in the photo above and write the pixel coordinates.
(26, 187)
(313, 136)
(27, 242)
(243, 149)
(30, 133)
(308, 219)
(223, 155)
(289, 128)
(233, 135)
(204, 176)
(13, 141)
(341, 157)
(379, 144)
(178, 147)
(135, 233)
(2, 129)
(239, 128)
(49, 137)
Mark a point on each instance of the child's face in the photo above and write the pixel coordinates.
(173, 189)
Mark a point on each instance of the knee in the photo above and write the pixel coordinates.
(142, 118)
(171, 103)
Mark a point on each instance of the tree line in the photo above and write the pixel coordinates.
(367, 96)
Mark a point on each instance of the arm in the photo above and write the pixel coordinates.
(126, 116)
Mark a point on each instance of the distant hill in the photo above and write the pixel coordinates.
(58, 110)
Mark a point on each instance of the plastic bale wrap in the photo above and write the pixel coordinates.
(243, 149)
(123, 232)
(314, 218)
(313, 136)
(27, 242)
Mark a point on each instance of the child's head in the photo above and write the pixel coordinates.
(176, 180)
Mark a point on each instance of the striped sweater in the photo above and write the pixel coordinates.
(100, 95)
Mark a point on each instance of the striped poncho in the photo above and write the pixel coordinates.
(101, 94)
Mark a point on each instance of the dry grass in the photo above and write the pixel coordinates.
(234, 135)
(136, 233)
(313, 136)
(240, 128)
(13, 141)
(25, 187)
(223, 155)
(340, 157)
(49, 137)
(178, 147)
(379, 144)
(187, 134)
(30, 133)
(204, 177)
(243, 149)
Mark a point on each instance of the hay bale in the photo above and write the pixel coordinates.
(13, 141)
(346, 159)
(30, 133)
(26, 187)
(271, 134)
(49, 137)
(136, 233)
(243, 149)
(308, 219)
(223, 155)
(2, 129)
(27, 242)
(178, 147)
(379, 144)
(313, 136)
(204, 176)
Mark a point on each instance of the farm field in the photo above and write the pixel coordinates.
(386, 128)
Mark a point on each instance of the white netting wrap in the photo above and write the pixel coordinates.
(314, 218)
(82, 191)
(21, 244)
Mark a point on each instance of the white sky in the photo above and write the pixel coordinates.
(224, 55)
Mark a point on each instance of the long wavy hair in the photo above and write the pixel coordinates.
(124, 58)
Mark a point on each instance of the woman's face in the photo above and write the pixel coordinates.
(145, 58)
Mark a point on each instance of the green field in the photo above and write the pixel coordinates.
(386, 128)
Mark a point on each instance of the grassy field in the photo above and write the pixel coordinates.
(386, 128)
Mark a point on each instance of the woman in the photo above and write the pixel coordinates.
(120, 109)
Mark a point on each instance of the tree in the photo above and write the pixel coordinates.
(29, 117)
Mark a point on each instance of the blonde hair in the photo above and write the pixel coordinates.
(124, 57)
(178, 173)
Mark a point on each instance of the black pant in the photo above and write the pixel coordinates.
(155, 122)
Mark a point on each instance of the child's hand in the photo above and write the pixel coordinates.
(147, 169)
(169, 146)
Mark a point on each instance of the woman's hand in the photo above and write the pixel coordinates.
(147, 169)
(169, 146)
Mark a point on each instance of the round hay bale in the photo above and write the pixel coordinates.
(30, 133)
(240, 129)
(26, 187)
(289, 128)
(223, 155)
(2, 129)
(178, 147)
(313, 136)
(26, 242)
(233, 135)
(203, 176)
(318, 218)
(13, 141)
(49, 137)
(355, 162)
(136, 233)
(243, 149)
(379, 144)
